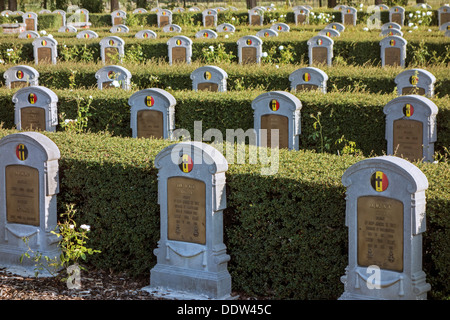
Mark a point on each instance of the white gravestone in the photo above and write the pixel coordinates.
(21, 76)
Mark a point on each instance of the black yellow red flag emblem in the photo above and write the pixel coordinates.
(306, 77)
(414, 80)
(21, 152)
(274, 105)
(186, 164)
(207, 75)
(408, 110)
(149, 101)
(379, 181)
(19, 74)
(32, 98)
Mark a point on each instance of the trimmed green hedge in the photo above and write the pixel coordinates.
(358, 116)
(285, 233)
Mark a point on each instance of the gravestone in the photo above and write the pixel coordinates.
(11, 28)
(349, 16)
(209, 78)
(307, 79)
(393, 51)
(21, 76)
(280, 27)
(180, 49)
(206, 34)
(301, 16)
(385, 216)
(391, 25)
(226, 27)
(178, 10)
(164, 17)
(29, 184)
(320, 50)
(255, 17)
(391, 32)
(146, 34)
(382, 7)
(443, 14)
(112, 49)
(35, 108)
(447, 33)
(29, 35)
(152, 114)
(45, 50)
(397, 15)
(80, 19)
(444, 27)
(331, 33)
(336, 26)
(87, 34)
(44, 11)
(119, 28)
(277, 111)
(67, 29)
(62, 14)
(113, 77)
(118, 17)
(415, 81)
(411, 127)
(249, 49)
(171, 28)
(209, 18)
(139, 10)
(191, 256)
(30, 19)
(266, 33)
(6, 13)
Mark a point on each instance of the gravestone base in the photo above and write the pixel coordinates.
(173, 282)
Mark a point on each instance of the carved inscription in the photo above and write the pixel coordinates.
(348, 19)
(319, 55)
(118, 20)
(19, 84)
(150, 124)
(392, 56)
(163, 21)
(445, 17)
(408, 139)
(186, 210)
(248, 55)
(32, 118)
(178, 54)
(209, 21)
(29, 25)
(22, 194)
(380, 232)
(397, 18)
(44, 55)
(208, 86)
(301, 18)
(111, 54)
(255, 20)
(306, 87)
(413, 90)
(274, 121)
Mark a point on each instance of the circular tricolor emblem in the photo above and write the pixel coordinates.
(392, 42)
(145, 35)
(306, 76)
(205, 35)
(178, 42)
(266, 34)
(186, 163)
(225, 28)
(149, 101)
(319, 42)
(274, 105)
(86, 35)
(279, 28)
(207, 75)
(21, 152)
(44, 43)
(28, 35)
(32, 98)
(19, 74)
(396, 9)
(163, 13)
(334, 27)
(379, 181)
(111, 74)
(249, 42)
(414, 80)
(408, 110)
(111, 42)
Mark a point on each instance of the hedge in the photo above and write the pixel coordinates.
(358, 116)
(285, 233)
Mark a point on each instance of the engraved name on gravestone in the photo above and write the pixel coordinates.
(164, 17)
(415, 81)
(209, 78)
(112, 49)
(320, 50)
(191, 255)
(152, 114)
(30, 19)
(411, 127)
(45, 50)
(35, 108)
(180, 49)
(249, 49)
(301, 16)
(277, 111)
(349, 16)
(393, 51)
(209, 17)
(21, 76)
(255, 17)
(308, 78)
(29, 184)
(113, 77)
(385, 216)
(118, 17)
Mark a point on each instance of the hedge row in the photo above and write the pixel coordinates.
(358, 116)
(343, 77)
(285, 233)
(46, 21)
